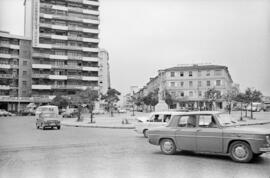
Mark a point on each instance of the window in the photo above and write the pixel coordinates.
(207, 121)
(181, 74)
(172, 74)
(156, 118)
(191, 93)
(199, 73)
(25, 63)
(182, 94)
(172, 84)
(217, 72)
(182, 84)
(208, 73)
(190, 83)
(187, 121)
(208, 83)
(218, 83)
(199, 83)
(190, 73)
(24, 73)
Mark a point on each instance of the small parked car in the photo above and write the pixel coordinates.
(155, 119)
(48, 119)
(211, 132)
(5, 113)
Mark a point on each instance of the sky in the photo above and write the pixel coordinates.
(143, 36)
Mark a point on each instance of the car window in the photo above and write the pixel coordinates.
(187, 121)
(158, 118)
(167, 117)
(207, 121)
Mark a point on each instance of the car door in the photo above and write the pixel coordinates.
(185, 134)
(209, 135)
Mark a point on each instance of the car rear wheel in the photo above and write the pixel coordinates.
(145, 133)
(241, 152)
(167, 146)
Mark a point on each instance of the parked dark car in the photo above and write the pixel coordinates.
(211, 132)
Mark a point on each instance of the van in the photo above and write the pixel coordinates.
(47, 108)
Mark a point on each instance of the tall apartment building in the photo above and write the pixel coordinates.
(104, 71)
(15, 71)
(65, 43)
(188, 84)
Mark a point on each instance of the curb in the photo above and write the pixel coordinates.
(98, 126)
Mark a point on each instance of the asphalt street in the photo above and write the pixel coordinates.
(75, 152)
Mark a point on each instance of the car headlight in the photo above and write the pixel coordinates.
(268, 139)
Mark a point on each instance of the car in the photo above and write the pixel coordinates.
(211, 132)
(154, 119)
(70, 112)
(47, 108)
(5, 113)
(122, 111)
(99, 111)
(48, 119)
(256, 107)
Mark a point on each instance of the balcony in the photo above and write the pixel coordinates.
(91, 40)
(4, 87)
(75, 28)
(75, 57)
(52, 26)
(74, 77)
(68, 67)
(5, 66)
(40, 75)
(90, 21)
(41, 55)
(89, 30)
(90, 59)
(41, 66)
(90, 68)
(94, 3)
(58, 87)
(57, 77)
(87, 49)
(8, 45)
(7, 76)
(41, 87)
(58, 37)
(92, 12)
(58, 57)
(87, 78)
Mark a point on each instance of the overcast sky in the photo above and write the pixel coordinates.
(143, 36)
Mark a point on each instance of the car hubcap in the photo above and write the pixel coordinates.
(168, 146)
(240, 152)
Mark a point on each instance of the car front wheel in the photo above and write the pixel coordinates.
(167, 146)
(241, 152)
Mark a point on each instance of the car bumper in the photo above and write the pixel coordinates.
(265, 149)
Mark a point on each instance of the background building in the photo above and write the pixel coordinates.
(65, 43)
(187, 84)
(15, 71)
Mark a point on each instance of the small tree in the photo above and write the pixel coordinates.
(168, 99)
(111, 97)
(240, 97)
(252, 96)
(86, 98)
(212, 95)
(229, 96)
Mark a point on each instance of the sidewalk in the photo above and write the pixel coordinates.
(115, 122)
(118, 121)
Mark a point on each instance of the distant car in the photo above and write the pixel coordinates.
(48, 119)
(70, 112)
(47, 108)
(4, 113)
(256, 107)
(155, 119)
(99, 111)
(211, 132)
(122, 111)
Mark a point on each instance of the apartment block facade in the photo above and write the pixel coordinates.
(188, 84)
(65, 45)
(15, 70)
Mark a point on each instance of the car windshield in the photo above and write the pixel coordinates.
(45, 115)
(226, 120)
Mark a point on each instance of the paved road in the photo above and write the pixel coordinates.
(90, 152)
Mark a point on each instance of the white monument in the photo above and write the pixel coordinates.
(161, 106)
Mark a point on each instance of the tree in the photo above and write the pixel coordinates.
(60, 101)
(212, 95)
(229, 96)
(240, 97)
(168, 98)
(85, 98)
(111, 98)
(252, 95)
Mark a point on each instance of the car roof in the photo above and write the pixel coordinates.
(47, 106)
(186, 113)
